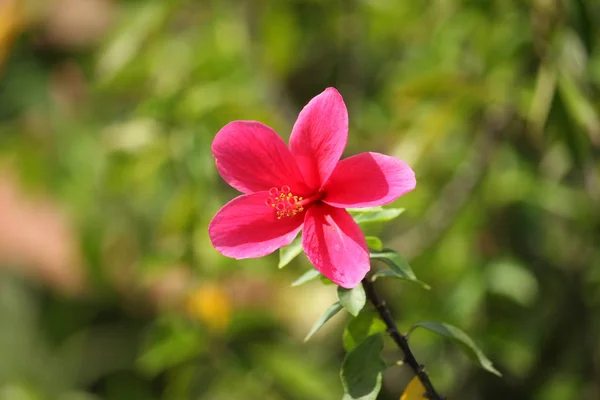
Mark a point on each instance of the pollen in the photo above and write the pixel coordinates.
(284, 202)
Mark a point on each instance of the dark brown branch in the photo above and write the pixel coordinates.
(400, 340)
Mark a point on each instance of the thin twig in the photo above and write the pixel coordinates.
(400, 340)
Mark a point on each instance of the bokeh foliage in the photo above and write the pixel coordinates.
(107, 113)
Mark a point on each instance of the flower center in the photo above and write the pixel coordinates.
(285, 203)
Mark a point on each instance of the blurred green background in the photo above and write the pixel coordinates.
(109, 288)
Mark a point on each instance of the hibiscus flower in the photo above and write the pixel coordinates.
(304, 187)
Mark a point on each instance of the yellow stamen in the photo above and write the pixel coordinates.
(285, 203)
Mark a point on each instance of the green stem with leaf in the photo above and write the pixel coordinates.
(400, 340)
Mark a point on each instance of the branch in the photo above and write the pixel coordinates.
(400, 340)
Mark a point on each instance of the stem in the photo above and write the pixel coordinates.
(400, 340)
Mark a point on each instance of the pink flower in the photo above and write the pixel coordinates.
(305, 186)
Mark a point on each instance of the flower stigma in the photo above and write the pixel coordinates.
(285, 203)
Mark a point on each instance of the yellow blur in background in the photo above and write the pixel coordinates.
(10, 24)
(211, 305)
(414, 390)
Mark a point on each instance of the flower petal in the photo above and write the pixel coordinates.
(319, 136)
(247, 227)
(251, 157)
(368, 180)
(335, 245)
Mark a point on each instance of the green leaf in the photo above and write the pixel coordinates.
(579, 106)
(510, 279)
(308, 276)
(326, 281)
(289, 252)
(374, 243)
(364, 210)
(374, 214)
(387, 273)
(359, 328)
(399, 268)
(170, 346)
(460, 338)
(330, 312)
(362, 370)
(353, 299)
(299, 375)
